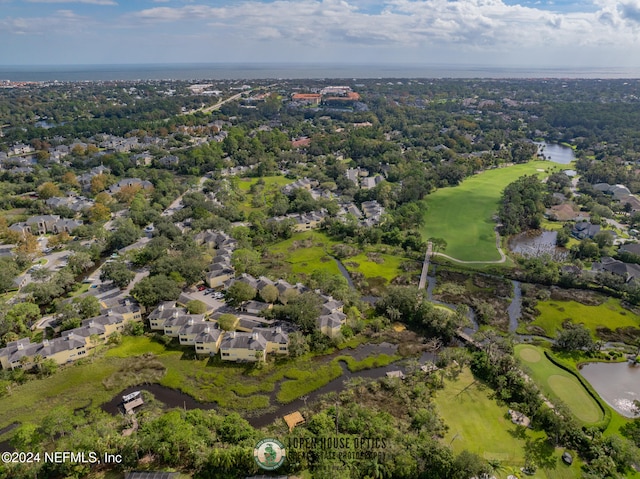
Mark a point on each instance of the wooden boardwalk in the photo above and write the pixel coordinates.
(425, 267)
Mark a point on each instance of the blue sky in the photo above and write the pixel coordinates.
(594, 33)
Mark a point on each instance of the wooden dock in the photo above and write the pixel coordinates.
(425, 267)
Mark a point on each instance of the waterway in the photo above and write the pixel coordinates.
(471, 314)
(515, 307)
(174, 398)
(617, 383)
(556, 153)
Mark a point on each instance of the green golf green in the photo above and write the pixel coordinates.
(556, 383)
(463, 215)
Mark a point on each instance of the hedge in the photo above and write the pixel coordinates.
(603, 423)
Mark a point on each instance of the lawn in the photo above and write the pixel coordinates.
(479, 424)
(463, 215)
(388, 267)
(307, 252)
(556, 383)
(609, 314)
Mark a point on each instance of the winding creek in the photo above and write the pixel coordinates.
(617, 383)
(174, 398)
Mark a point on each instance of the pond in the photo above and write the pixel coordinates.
(536, 243)
(556, 153)
(617, 383)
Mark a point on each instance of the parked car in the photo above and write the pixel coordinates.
(202, 287)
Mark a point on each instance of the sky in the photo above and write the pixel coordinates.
(501, 33)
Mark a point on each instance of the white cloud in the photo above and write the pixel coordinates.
(61, 22)
(412, 23)
(88, 2)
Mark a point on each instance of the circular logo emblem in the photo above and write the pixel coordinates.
(269, 454)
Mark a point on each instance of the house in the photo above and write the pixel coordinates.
(174, 324)
(170, 160)
(129, 309)
(42, 224)
(630, 272)
(332, 306)
(164, 311)
(330, 324)
(188, 333)
(11, 356)
(208, 340)
(303, 183)
(370, 182)
(20, 149)
(143, 184)
(90, 331)
(219, 274)
(255, 307)
(277, 339)
(250, 347)
(22, 228)
(85, 179)
(142, 159)
(631, 248)
(584, 229)
(111, 321)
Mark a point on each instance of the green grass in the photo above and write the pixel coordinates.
(134, 345)
(269, 181)
(305, 259)
(609, 314)
(368, 363)
(304, 382)
(388, 269)
(479, 424)
(463, 215)
(556, 383)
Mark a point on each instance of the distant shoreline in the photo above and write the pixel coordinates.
(254, 71)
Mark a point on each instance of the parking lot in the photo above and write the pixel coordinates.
(207, 299)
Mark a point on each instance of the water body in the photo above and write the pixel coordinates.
(617, 383)
(556, 153)
(537, 243)
(224, 71)
(515, 308)
(344, 272)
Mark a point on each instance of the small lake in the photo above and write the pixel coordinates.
(556, 153)
(617, 383)
(537, 243)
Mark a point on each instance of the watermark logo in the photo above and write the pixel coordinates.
(269, 454)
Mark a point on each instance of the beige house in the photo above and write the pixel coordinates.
(208, 341)
(174, 325)
(190, 331)
(330, 324)
(277, 340)
(162, 313)
(218, 274)
(250, 347)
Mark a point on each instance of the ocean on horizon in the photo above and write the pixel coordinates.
(232, 71)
